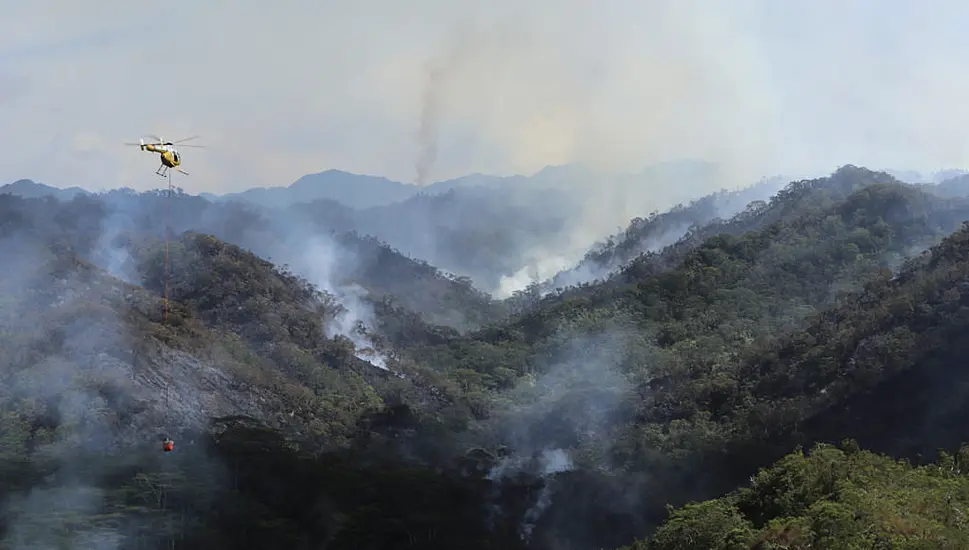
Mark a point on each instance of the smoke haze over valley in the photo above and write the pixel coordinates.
(642, 275)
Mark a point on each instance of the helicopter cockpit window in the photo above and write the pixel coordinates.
(176, 157)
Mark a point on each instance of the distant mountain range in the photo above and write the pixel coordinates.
(484, 227)
(29, 189)
(352, 190)
(504, 232)
(364, 191)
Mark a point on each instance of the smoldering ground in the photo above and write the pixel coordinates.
(320, 260)
(556, 427)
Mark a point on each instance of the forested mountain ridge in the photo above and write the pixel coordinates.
(679, 335)
(571, 425)
(797, 201)
(72, 332)
(659, 230)
(883, 366)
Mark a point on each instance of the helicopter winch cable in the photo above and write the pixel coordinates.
(168, 226)
(168, 229)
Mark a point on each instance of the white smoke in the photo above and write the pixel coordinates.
(320, 261)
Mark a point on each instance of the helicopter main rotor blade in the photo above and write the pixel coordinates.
(185, 139)
(189, 145)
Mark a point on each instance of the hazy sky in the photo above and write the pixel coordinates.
(280, 89)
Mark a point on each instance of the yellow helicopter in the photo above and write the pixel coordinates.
(167, 151)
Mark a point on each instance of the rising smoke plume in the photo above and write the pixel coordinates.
(439, 70)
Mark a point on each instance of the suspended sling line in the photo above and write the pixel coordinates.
(168, 229)
(168, 225)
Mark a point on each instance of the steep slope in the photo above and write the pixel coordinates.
(887, 359)
(884, 366)
(849, 373)
(83, 347)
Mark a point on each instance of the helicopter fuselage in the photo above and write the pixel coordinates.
(170, 159)
(169, 156)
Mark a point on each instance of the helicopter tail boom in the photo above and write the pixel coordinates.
(153, 147)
